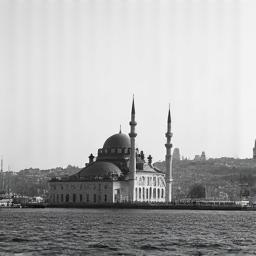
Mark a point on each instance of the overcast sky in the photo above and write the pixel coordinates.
(68, 70)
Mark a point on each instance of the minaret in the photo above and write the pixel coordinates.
(254, 150)
(168, 161)
(132, 167)
(2, 174)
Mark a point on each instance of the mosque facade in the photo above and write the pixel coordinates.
(120, 173)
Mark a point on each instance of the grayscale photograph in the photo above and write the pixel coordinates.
(128, 127)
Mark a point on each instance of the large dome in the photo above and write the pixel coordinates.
(119, 140)
(100, 169)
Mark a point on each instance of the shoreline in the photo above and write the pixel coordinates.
(151, 206)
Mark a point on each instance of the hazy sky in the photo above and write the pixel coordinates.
(68, 70)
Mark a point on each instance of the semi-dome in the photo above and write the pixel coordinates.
(100, 169)
(119, 140)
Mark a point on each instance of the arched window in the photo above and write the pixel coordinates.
(81, 197)
(147, 193)
(136, 194)
(143, 193)
(150, 193)
(158, 193)
(154, 193)
(67, 198)
(105, 198)
(162, 193)
(139, 193)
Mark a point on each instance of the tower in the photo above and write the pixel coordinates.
(2, 175)
(132, 166)
(254, 150)
(168, 161)
(176, 154)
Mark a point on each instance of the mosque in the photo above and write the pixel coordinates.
(119, 174)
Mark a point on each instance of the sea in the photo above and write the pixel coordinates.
(60, 231)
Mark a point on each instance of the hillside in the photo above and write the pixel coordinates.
(33, 181)
(223, 178)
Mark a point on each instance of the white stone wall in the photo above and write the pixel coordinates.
(149, 187)
(80, 192)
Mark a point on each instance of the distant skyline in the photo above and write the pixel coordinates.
(68, 70)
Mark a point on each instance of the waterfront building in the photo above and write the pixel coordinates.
(120, 173)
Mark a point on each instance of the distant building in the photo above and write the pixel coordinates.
(254, 150)
(176, 154)
(197, 158)
(119, 174)
(201, 157)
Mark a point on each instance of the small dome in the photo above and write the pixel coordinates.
(119, 140)
(100, 169)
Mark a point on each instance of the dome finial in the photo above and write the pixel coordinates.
(120, 130)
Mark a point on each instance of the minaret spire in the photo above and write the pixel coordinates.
(120, 130)
(169, 115)
(132, 167)
(133, 107)
(168, 160)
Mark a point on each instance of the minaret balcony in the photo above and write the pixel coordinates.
(133, 123)
(133, 134)
(168, 134)
(168, 145)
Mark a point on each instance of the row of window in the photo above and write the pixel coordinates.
(150, 181)
(114, 151)
(79, 186)
(78, 198)
(149, 193)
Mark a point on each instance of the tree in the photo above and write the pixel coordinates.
(197, 191)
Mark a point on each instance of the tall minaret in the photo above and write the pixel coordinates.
(254, 150)
(2, 174)
(132, 167)
(168, 161)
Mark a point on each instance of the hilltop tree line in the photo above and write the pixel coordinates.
(224, 178)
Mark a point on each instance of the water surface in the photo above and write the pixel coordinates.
(126, 232)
